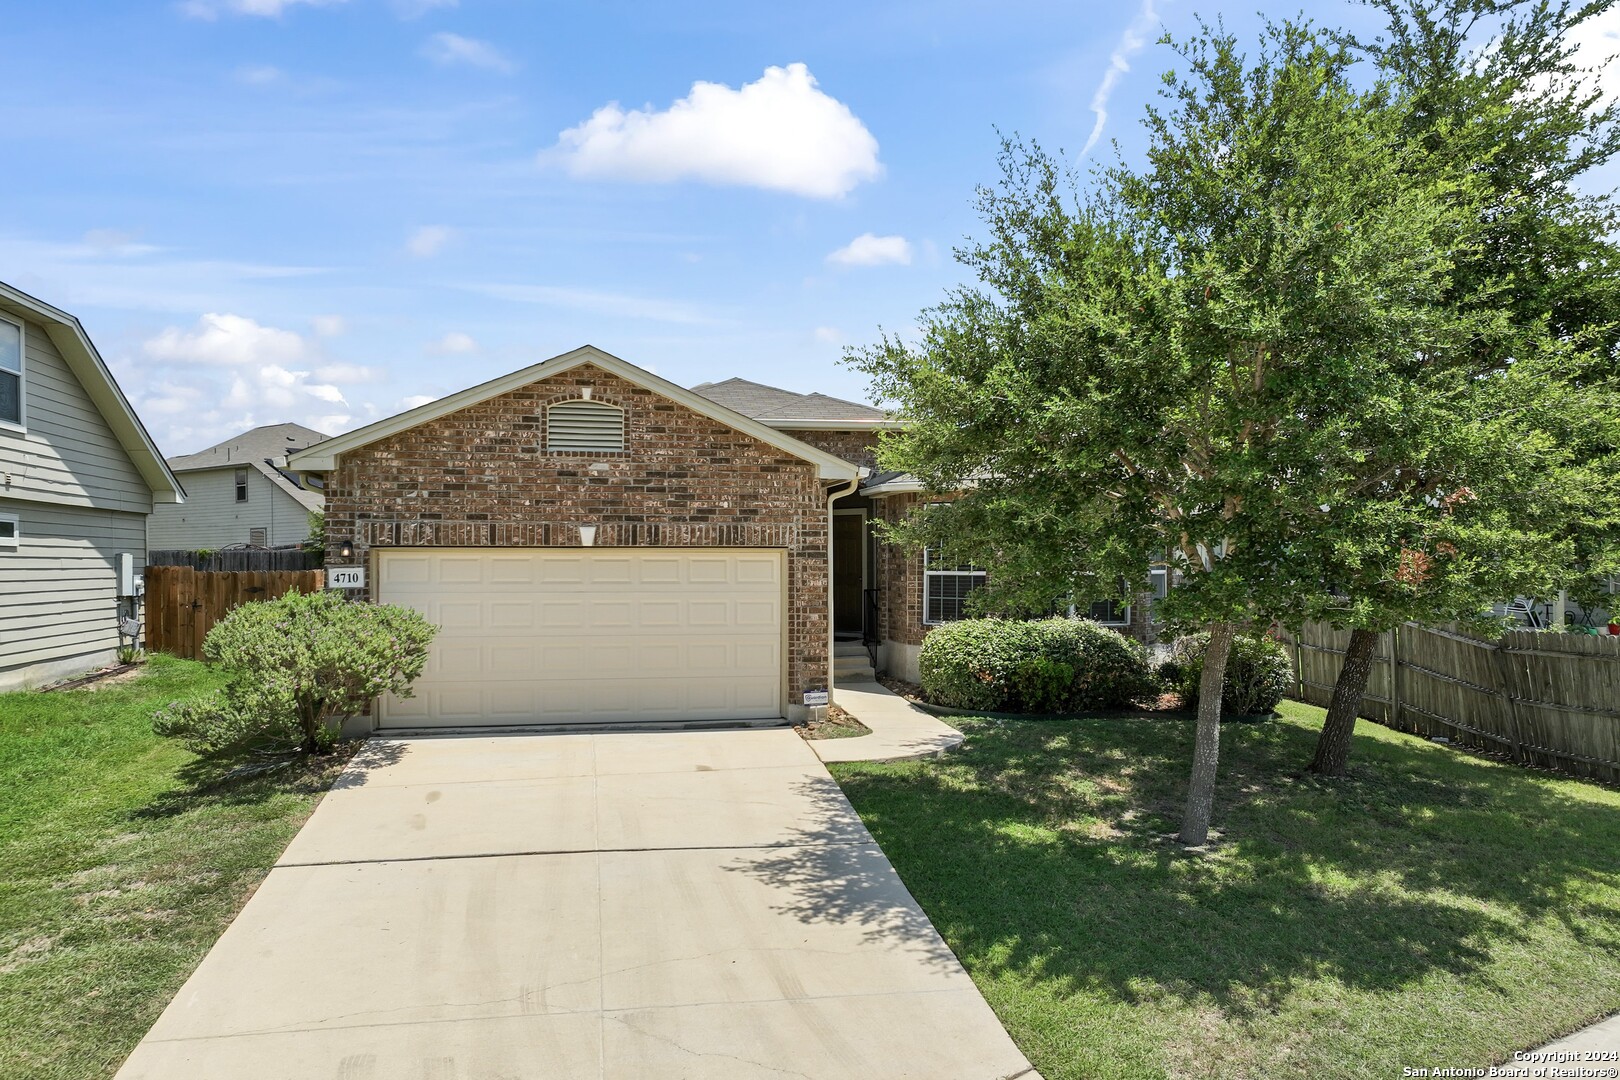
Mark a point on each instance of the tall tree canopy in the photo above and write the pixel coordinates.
(1191, 360)
(1489, 88)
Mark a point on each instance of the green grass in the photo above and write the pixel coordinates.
(1432, 909)
(122, 857)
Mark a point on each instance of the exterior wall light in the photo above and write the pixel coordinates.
(345, 549)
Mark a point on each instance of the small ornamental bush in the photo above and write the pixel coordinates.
(1041, 666)
(297, 666)
(1258, 673)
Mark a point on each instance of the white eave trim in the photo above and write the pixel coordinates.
(900, 485)
(322, 457)
(831, 425)
(80, 354)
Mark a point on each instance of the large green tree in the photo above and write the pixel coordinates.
(1512, 488)
(1184, 360)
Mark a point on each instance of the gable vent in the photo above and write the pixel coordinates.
(584, 425)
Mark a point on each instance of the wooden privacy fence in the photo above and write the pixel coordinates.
(287, 558)
(183, 604)
(1545, 698)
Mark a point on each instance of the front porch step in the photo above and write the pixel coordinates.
(853, 667)
(849, 648)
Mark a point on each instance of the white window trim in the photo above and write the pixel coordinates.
(14, 541)
(1124, 621)
(21, 423)
(241, 486)
(930, 574)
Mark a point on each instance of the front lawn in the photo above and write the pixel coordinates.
(122, 857)
(1433, 909)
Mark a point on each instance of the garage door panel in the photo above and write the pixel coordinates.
(538, 636)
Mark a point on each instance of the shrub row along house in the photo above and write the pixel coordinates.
(599, 545)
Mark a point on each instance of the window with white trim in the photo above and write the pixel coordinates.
(11, 372)
(583, 426)
(946, 587)
(10, 532)
(241, 485)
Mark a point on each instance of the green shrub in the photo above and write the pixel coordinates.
(1258, 673)
(297, 666)
(1041, 666)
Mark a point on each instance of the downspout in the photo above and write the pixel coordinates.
(833, 495)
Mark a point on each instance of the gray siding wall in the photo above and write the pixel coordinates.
(59, 589)
(69, 455)
(212, 518)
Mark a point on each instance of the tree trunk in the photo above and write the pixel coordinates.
(1207, 747)
(1333, 746)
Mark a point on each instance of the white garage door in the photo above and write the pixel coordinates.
(582, 636)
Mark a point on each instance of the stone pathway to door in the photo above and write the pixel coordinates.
(694, 904)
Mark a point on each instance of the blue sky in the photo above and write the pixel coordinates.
(269, 210)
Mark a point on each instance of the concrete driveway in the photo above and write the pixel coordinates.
(692, 904)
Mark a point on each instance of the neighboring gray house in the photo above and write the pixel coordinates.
(78, 477)
(241, 492)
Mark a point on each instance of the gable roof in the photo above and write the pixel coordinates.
(324, 455)
(309, 500)
(255, 444)
(81, 357)
(775, 407)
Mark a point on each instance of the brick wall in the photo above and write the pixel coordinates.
(480, 477)
(900, 578)
(853, 446)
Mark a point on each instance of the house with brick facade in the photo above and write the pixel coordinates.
(601, 546)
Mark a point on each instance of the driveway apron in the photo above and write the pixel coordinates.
(684, 904)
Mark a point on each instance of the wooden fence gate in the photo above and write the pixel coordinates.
(1546, 699)
(183, 604)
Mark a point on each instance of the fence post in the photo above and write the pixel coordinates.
(1395, 676)
(1299, 664)
(1504, 675)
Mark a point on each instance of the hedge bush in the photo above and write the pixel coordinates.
(1041, 666)
(1258, 673)
(296, 667)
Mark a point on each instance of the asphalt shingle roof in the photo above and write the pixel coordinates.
(761, 402)
(256, 444)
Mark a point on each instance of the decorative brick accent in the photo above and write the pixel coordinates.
(481, 477)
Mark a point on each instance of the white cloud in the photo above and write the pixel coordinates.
(781, 133)
(1130, 43)
(229, 372)
(453, 343)
(269, 9)
(227, 341)
(415, 9)
(116, 242)
(415, 401)
(1597, 43)
(828, 335)
(329, 325)
(429, 240)
(869, 250)
(620, 305)
(448, 50)
(347, 373)
(259, 74)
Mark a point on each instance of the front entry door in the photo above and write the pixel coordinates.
(849, 578)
